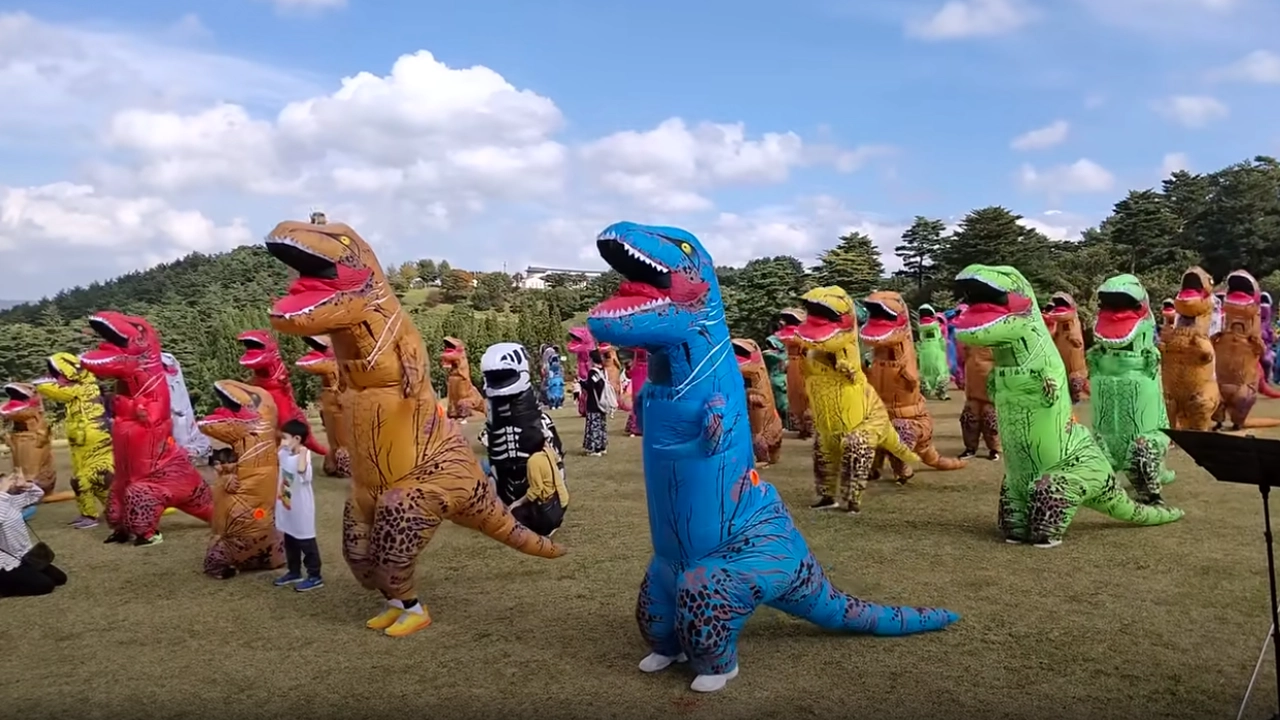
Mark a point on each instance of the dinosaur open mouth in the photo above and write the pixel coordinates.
(822, 322)
(985, 304)
(741, 352)
(1241, 289)
(228, 409)
(881, 321)
(1168, 307)
(255, 350)
(646, 286)
(55, 375)
(1059, 305)
(928, 315)
(18, 399)
(315, 343)
(450, 346)
(105, 330)
(1193, 288)
(1265, 298)
(319, 281)
(1119, 315)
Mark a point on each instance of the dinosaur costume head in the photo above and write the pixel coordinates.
(668, 287)
(930, 325)
(454, 353)
(888, 322)
(244, 412)
(999, 304)
(750, 359)
(787, 321)
(21, 404)
(130, 347)
(260, 350)
(1168, 311)
(580, 341)
(1062, 308)
(1124, 319)
(320, 361)
(830, 322)
(1243, 303)
(1195, 298)
(339, 281)
(1046, 314)
(64, 369)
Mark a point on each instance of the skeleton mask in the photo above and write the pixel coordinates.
(505, 367)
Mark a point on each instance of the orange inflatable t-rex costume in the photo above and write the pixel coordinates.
(1187, 358)
(321, 363)
(797, 393)
(1068, 336)
(766, 426)
(896, 377)
(28, 438)
(411, 467)
(1238, 351)
(465, 401)
(613, 373)
(244, 495)
(978, 419)
(1168, 318)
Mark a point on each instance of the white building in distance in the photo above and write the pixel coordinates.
(535, 277)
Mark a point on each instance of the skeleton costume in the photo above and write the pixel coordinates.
(516, 427)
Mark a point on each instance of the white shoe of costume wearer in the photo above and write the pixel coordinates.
(653, 662)
(712, 683)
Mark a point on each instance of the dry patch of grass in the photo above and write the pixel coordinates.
(1119, 622)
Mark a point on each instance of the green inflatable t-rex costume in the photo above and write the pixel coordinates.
(1128, 395)
(931, 354)
(775, 361)
(1052, 463)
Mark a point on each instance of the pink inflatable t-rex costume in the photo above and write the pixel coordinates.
(581, 344)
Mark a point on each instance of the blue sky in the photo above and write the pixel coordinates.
(146, 134)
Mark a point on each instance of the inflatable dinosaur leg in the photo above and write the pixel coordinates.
(1239, 404)
(990, 427)
(971, 425)
(1014, 521)
(582, 404)
(760, 448)
(877, 465)
(92, 492)
(217, 559)
(1059, 493)
(1078, 385)
(656, 616)
(1195, 412)
(1147, 472)
(357, 528)
(909, 435)
(857, 452)
(826, 466)
(144, 503)
(803, 423)
(191, 495)
(116, 511)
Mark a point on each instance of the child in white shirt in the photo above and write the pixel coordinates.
(296, 510)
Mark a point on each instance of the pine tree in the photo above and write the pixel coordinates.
(920, 243)
(853, 264)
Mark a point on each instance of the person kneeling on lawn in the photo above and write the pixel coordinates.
(26, 568)
(542, 508)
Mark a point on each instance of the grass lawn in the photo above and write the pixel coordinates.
(1119, 622)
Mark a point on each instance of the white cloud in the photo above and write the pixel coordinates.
(972, 18)
(1260, 66)
(1055, 133)
(295, 6)
(1173, 162)
(1080, 177)
(1193, 111)
(1057, 224)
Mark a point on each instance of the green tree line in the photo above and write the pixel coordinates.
(1223, 220)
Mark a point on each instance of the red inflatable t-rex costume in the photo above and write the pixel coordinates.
(262, 356)
(152, 471)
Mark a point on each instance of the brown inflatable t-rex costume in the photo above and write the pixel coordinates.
(766, 426)
(797, 395)
(895, 375)
(29, 441)
(1187, 360)
(465, 401)
(1168, 318)
(978, 419)
(321, 363)
(244, 495)
(1238, 350)
(1068, 336)
(411, 468)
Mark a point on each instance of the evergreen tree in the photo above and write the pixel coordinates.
(853, 264)
(920, 243)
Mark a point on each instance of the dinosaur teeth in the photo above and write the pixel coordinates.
(622, 312)
(643, 258)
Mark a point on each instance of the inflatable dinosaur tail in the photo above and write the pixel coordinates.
(485, 513)
(931, 457)
(1264, 387)
(63, 496)
(1259, 422)
(1117, 503)
(815, 599)
(315, 446)
(892, 444)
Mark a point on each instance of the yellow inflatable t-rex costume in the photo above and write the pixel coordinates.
(88, 432)
(849, 419)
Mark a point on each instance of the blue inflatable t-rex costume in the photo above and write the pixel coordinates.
(554, 383)
(723, 541)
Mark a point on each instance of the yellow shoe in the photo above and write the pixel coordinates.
(169, 511)
(384, 619)
(409, 623)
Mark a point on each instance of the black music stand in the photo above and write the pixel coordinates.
(1245, 461)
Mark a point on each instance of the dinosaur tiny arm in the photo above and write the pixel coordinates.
(231, 485)
(1150, 362)
(1092, 357)
(1256, 345)
(907, 377)
(756, 399)
(713, 425)
(1205, 347)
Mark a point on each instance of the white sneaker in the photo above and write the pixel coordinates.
(713, 683)
(653, 662)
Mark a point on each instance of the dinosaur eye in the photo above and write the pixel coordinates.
(344, 239)
(686, 248)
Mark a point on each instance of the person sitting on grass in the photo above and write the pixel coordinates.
(543, 506)
(21, 574)
(296, 510)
